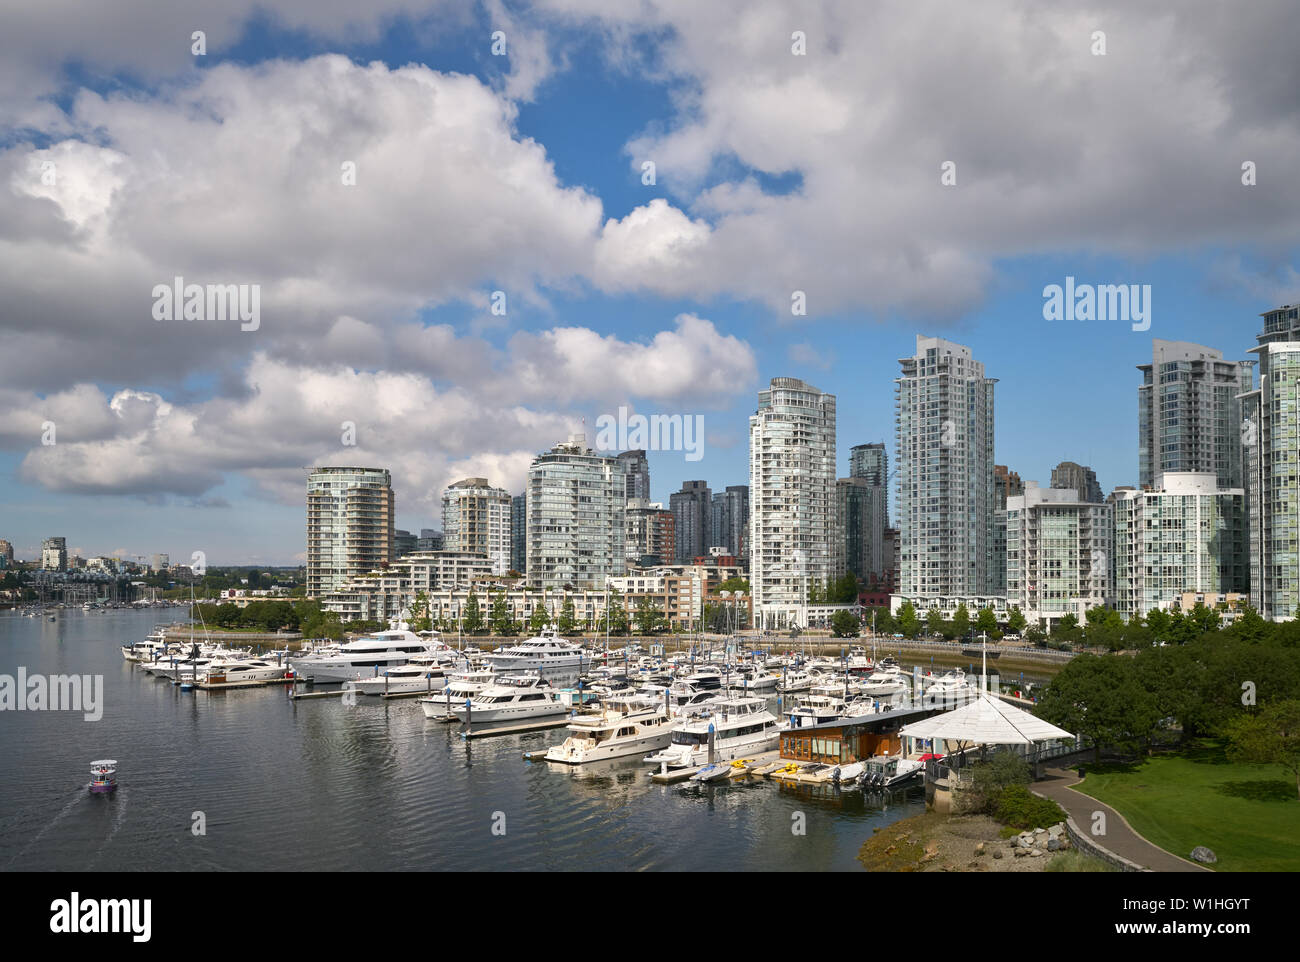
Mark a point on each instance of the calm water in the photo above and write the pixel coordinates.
(319, 785)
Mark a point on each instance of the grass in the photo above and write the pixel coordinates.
(1248, 815)
(1076, 861)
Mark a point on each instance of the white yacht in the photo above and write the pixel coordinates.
(887, 681)
(951, 687)
(742, 728)
(796, 679)
(512, 698)
(547, 654)
(422, 673)
(624, 727)
(232, 671)
(154, 645)
(360, 658)
(816, 709)
(885, 770)
(460, 685)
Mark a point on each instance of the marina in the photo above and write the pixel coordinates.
(404, 767)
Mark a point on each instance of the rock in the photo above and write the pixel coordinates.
(979, 849)
(1053, 845)
(1022, 851)
(1037, 853)
(1055, 831)
(997, 853)
(1039, 831)
(1203, 854)
(1065, 843)
(1026, 841)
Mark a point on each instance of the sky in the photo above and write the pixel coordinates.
(378, 172)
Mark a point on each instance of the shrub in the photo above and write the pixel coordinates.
(1018, 806)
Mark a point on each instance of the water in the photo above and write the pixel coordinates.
(316, 784)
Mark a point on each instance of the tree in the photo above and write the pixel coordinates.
(420, 620)
(1158, 623)
(908, 623)
(1249, 626)
(986, 621)
(648, 617)
(845, 624)
(1205, 619)
(503, 623)
(568, 617)
(961, 621)
(934, 621)
(473, 622)
(1016, 620)
(540, 619)
(1099, 697)
(735, 583)
(1270, 736)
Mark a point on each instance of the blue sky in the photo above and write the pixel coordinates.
(821, 175)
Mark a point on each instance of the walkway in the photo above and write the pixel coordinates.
(1119, 838)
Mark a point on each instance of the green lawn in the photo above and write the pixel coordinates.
(1247, 814)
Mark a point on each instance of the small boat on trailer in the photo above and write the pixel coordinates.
(103, 776)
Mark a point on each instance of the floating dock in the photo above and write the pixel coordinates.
(215, 685)
(317, 694)
(536, 726)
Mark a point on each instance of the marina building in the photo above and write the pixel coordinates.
(1058, 554)
(476, 519)
(576, 517)
(945, 472)
(793, 533)
(350, 513)
(1189, 412)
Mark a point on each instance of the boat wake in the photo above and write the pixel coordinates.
(76, 796)
(118, 817)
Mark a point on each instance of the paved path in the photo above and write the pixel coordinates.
(1120, 837)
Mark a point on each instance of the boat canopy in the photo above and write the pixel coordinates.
(986, 721)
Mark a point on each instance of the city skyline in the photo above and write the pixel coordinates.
(787, 227)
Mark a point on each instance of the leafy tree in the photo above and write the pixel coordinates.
(1002, 769)
(908, 622)
(735, 583)
(473, 621)
(1158, 623)
(617, 614)
(1016, 620)
(934, 621)
(845, 624)
(1270, 736)
(1249, 627)
(1100, 697)
(539, 619)
(648, 617)
(420, 620)
(1205, 619)
(961, 621)
(986, 621)
(568, 617)
(503, 623)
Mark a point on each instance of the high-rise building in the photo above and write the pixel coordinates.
(350, 514)
(860, 513)
(430, 540)
(519, 533)
(576, 517)
(1271, 423)
(729, 520)
(945, 472)
(1058, 553)
(476, 518)
(6, 554)
(691, 508)
(636, 471)
(650, 533)
(404, 543)
(1006, 484)
(1183, 533)
(1189, 412)
(870, 461)
(159, 562)
(792, 521)
(1079, 478)
(54, 554)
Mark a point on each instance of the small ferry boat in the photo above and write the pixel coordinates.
(103, 776)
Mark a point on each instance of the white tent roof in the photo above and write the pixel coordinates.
(986, 721)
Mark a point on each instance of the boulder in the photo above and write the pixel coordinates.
(1204, 855)
(1055, 831)
(1037, 853)
(997, 853)
(1053, 845)
(1021, 851)
(1039, 831)
(979, 849)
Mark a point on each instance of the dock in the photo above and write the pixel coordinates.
(536, 726)
(675, 775)
(317, 694)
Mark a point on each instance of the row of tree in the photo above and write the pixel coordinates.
(477, 619)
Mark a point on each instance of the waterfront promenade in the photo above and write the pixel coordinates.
(1057, 784)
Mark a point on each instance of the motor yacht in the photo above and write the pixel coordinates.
(460, 686)
(382, 650)
(623, 727)
(741, 728)
(884, 771)
(546, 654)
(512, 698)
(232, 671)
(424, 673)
